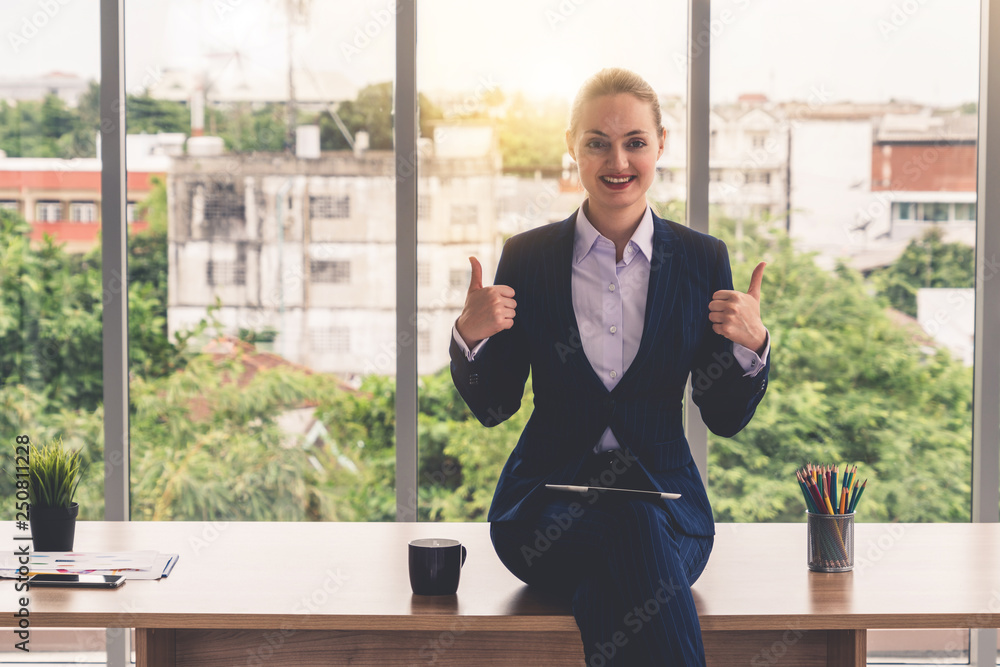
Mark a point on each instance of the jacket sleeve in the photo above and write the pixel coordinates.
(492, 385)
(727, 400)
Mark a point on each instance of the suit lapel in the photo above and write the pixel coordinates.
(666, 267)
(560, 274)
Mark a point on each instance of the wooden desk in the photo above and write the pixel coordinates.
(305, 594)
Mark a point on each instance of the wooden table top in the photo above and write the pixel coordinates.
(352, 576)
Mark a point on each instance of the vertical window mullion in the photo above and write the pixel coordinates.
(698, 139)
(405, 146)
(115, 284)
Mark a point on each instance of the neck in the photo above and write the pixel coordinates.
(616, 225)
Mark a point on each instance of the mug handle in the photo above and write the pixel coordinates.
(465, 552)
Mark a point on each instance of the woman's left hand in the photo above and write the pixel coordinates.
(736, 315)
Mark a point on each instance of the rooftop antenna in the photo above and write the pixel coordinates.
(297, 13)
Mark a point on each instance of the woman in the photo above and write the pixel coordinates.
(612, 310)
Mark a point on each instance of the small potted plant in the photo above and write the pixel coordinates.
(53, 475)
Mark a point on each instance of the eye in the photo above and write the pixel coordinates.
(636, 143)
(594, 144)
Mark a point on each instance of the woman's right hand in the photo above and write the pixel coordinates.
(488, 310)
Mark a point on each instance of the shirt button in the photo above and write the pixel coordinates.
(613, 328)
(630, 249)
(611, 287)
(614, 374)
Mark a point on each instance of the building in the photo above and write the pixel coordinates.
(67, 87)
(748, 159)
(304, 249)
(62, 198)
(924, 169)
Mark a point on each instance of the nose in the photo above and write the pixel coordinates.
(617, 158)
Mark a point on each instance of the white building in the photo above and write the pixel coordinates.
(306, 248)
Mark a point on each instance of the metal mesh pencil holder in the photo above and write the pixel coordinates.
(830, 542)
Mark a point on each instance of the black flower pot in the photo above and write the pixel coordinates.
(53, 528)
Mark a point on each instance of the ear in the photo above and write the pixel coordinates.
(569, 146)
(663, 141)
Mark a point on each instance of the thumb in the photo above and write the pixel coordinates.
(755, 280)
(476, 283)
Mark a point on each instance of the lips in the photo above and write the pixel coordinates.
(618, 181)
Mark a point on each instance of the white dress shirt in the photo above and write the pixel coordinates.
(609, 299)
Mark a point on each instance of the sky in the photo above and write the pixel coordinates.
(858, 50)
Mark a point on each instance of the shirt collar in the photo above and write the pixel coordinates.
(586, 236)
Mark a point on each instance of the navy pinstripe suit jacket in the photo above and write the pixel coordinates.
(572, 406)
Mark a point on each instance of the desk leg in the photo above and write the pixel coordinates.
(155, 647)
(846, 648)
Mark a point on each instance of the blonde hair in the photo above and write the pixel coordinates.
(614, 81)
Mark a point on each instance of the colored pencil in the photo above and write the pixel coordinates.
(860, 492)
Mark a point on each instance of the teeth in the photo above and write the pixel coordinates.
(612, 179)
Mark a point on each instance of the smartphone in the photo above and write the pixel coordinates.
(76, 580)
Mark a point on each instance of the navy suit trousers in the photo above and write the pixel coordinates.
(627, 570)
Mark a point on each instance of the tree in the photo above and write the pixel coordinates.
(145, 114)
(926, 262)
(531, 134)
(849, 384)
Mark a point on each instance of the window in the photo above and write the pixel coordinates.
(223, 204)
(965, 211)
(858, 163)
(302, 304)
(424, 342)
(905, 211)
(327, 206)
(715, 175)
(941, 82)
(423, 207)
(936, 212)
(331, 339)
(48, 211)
(53, 352)
(325, 271)
(225, 272)
(85, 211)
(464, 214)
(130, 212)
(757, 178)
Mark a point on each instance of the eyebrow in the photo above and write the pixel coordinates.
(627, 134)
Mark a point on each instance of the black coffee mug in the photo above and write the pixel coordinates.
(435, 565)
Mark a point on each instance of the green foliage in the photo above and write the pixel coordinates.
(849, 384)
(144, 114)
(208, 446)
(926, 262)
(54, 473)
(249, 129)
(50, 326)
(370, 112)
(532, 134)
(50, 128)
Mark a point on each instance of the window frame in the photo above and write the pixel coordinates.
(986, 419)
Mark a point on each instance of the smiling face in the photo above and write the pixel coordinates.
(616, 147)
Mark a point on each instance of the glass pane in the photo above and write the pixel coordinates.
(865, 224)
(51, 376)
(262, 303)
(494, 163)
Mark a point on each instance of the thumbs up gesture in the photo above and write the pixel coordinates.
(736, 315)
(488, 310)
